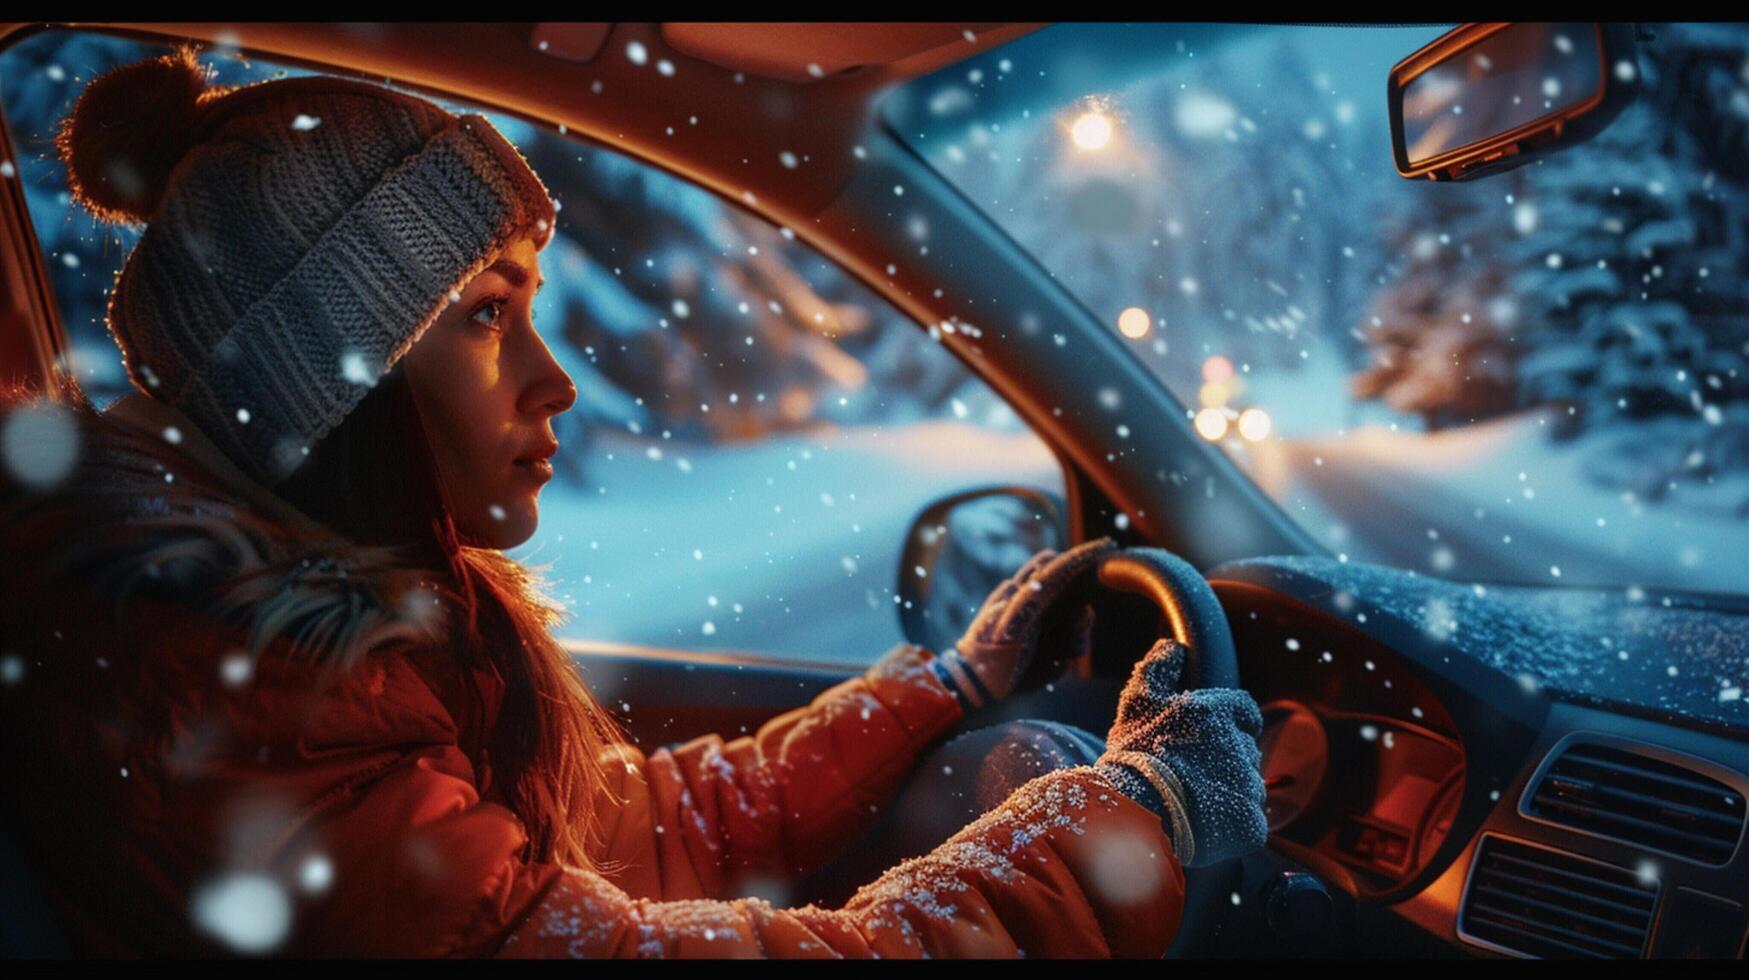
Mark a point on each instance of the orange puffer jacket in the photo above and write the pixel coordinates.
(186, 801)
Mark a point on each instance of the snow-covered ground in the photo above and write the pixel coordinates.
(785, 547)
(1499, 501)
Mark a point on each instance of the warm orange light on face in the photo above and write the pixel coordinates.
(475, 380)
(1133, 323)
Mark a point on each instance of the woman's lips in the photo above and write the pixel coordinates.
(537, 462)
(540, 469)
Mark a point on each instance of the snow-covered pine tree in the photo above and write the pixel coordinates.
(1636, 302)
(1608, 280)
(1440, 328)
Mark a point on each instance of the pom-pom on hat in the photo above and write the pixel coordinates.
(301, 235)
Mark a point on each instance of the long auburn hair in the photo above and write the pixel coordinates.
(375, 480)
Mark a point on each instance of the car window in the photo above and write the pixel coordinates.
(754, 431)
(1540, 377)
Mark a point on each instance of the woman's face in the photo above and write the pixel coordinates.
(487, 386)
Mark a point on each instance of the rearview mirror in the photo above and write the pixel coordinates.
(1485, 98)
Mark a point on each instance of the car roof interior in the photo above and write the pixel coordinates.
(807, 87)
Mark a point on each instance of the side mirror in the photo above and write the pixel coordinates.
(1486, 98)
(961, 547)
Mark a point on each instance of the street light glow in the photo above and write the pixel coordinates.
(1254, 424)
(1092, 131)
(1211, 424)
(1133, 323)
(1217, 370)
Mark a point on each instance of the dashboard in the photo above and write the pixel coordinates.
(1425, 799)
(1361, 762)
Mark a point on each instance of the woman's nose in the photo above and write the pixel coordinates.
(554, 395)
(567, 396)
(551, 392)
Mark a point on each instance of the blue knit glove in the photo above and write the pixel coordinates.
(999, 645)
(1190, 756)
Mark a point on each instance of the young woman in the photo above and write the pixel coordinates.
(272, 686)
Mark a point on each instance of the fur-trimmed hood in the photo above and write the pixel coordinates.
(152, 508)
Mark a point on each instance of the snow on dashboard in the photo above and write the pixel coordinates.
(1673, 656)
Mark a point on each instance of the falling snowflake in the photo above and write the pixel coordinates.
(236, 669)
(41, 444)
(249, 912)
(317, 874)
(1647, 872)
(1125, 868)
(356, 369)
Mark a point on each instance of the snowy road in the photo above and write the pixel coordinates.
(1497, 502)
(796, 539)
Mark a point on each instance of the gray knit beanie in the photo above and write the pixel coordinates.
(301, 234)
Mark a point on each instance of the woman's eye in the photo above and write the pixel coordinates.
(492, 309)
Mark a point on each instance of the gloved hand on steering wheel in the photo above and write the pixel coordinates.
(1001, 641)
(1190, 756)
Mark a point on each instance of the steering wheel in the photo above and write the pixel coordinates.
(1188, 612)
(1187, 609)
(1118, 588)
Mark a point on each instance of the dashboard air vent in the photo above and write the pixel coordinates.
(1545, 903)
(1631, 797)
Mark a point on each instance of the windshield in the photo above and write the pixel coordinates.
(1539, 377)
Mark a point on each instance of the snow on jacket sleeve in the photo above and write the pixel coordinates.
(702, 819)
(1066, 867)
(416, 864)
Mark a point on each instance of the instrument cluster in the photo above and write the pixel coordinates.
(1361, 763)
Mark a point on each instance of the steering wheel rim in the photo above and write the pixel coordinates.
(1190, 612)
